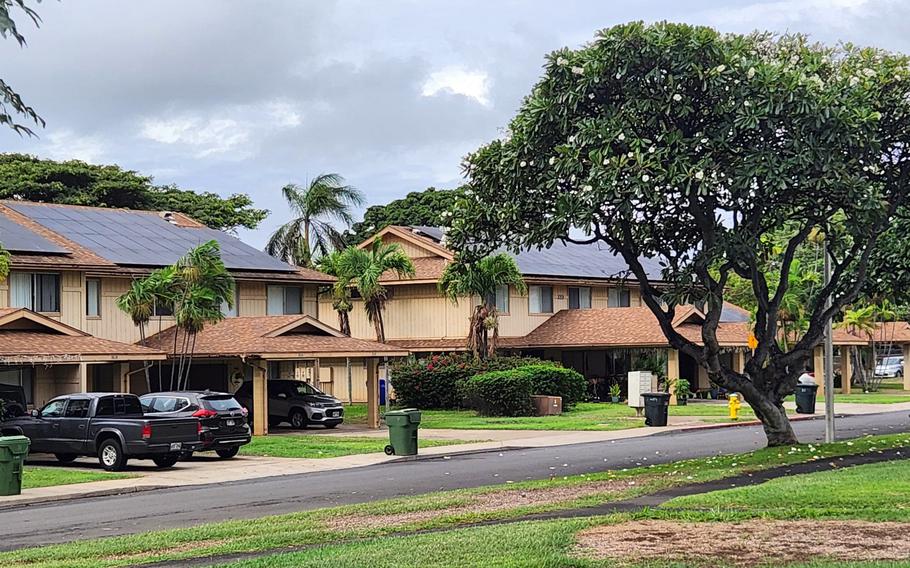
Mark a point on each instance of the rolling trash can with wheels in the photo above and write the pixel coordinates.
(657, 405)
(805, 398)
(403, 425)
(13, 450)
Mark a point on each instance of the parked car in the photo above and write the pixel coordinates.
(12, 401)
(223, 419)
(296, 402)
(111, 426)
(890, 367)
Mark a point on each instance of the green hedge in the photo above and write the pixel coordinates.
(500, 393)
(433, 382)
(558, 381)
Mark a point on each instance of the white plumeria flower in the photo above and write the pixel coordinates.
(704, 140)
(588, 188)
(699, 175)
(652, 149)
(751, 72)
(562, 61)
(868, 72)
(677, 97)
(854, 81)
(747, 103)
(621, 137)
(572, 139)
(552, 160)
(590, 95)
(606, 161)
(720, 68)
(645, 177)
(578, 70)
(523, 163)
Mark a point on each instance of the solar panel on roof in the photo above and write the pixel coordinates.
(16, 238)
(143, 238)
(580, 261)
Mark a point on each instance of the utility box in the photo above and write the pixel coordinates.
(547, 405)
(640, 382)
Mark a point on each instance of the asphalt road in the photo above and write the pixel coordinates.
(168, 508)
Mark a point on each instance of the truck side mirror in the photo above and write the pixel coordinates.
(34, 413)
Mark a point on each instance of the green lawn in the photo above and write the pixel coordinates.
(40, 476)
(871, 397)
(513, 545)
(321, 446)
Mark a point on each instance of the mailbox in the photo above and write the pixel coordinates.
(640, 382)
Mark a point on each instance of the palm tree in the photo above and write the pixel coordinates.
(341, 294)
(310, 232)
(482, 279)
(362, 268)
(139, 303)
(858, 320)
(203, 284)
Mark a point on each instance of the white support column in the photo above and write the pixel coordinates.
(907, 366)
(846, 370)
(124, 374)
(260, 401)
(818, 367)
(673, 372)
(83, 377)
(372, 392)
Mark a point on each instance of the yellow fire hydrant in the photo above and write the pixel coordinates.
(734, 404)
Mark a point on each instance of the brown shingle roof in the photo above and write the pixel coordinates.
(896, 331)
(448, 344)
(425, 268)
(37, 345)
(249, 336)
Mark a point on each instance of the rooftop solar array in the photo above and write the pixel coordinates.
(594, 260)
(16, 238)
(142, 238)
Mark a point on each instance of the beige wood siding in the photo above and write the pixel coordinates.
(252, 298)
(414, 311)
(115, 324)
(72, 299)
(4, 294)
(410, 248)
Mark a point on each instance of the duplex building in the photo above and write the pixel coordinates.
(61, 330)
(581, 309)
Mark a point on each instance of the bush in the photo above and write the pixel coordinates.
(500, 393)
(433, 382)
(558, 381)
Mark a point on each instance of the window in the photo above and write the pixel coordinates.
(77, 408)
(284, 300)
(93, 298)
(163, 310)
(500, 299)
(54, 409)
(232, 312)
(618, 298)
(579, 298)
(541, 300)
(35, 291)
(118, 405)
(21, 376)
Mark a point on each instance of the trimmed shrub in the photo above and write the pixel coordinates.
(500, 393)
(433, 382)
(558, 381)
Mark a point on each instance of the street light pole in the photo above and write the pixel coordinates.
(829, 356)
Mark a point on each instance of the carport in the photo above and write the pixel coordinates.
(300, 347)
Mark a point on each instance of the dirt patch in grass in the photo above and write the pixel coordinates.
(178, 549)
(486, 503)
(747, 543)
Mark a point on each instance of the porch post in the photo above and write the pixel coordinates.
(260, 402)
(672, 372)
(83, 377)
(739, 361)
(124, 369)
(818, 367)
(846, 370)
(906, 366)
(372, 392)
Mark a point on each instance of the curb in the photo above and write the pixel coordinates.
(428, 457)
(28, 502)
(740, 424)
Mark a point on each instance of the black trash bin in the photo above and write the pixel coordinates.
(657, 405)
(805, 398)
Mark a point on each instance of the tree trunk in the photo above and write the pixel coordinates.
(773, 418)
(344, 322)
(476, 344)
(375, 313)
(145, 365)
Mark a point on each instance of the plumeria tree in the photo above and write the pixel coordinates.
(11, 104)
(685, 145)
(482, 279)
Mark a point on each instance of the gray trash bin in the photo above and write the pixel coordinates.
(805, 398)
(657, 405)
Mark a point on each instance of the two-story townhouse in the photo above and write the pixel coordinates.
(581, 309)
(61, 330)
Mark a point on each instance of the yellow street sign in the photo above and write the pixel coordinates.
(753, 341)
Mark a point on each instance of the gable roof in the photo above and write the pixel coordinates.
(275, 337)
(28, 337)
(413, 237)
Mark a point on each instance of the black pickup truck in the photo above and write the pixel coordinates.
(108, 425)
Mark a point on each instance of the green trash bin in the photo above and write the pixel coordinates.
(13, 450)
(403, 425)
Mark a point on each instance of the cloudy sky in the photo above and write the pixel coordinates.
(245, 96)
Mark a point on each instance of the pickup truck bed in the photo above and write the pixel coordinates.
(108, 425)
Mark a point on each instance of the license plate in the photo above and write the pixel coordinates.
(175, 446)
(229, 422)
(333, 413)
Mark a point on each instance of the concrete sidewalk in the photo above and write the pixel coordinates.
(210, 470)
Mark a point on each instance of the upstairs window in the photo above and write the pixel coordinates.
(232, 312)
(540, 299)
(619, 298)
(500, 299)
(284, 300)
(93, 297)
(579, 297)
(36, 291)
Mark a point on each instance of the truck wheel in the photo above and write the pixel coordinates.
(167, 460)
(297, 419)
(111, 456)
(228, 453)
(65, 458)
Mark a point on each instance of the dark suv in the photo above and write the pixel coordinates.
(296, 402)
(223, 419)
